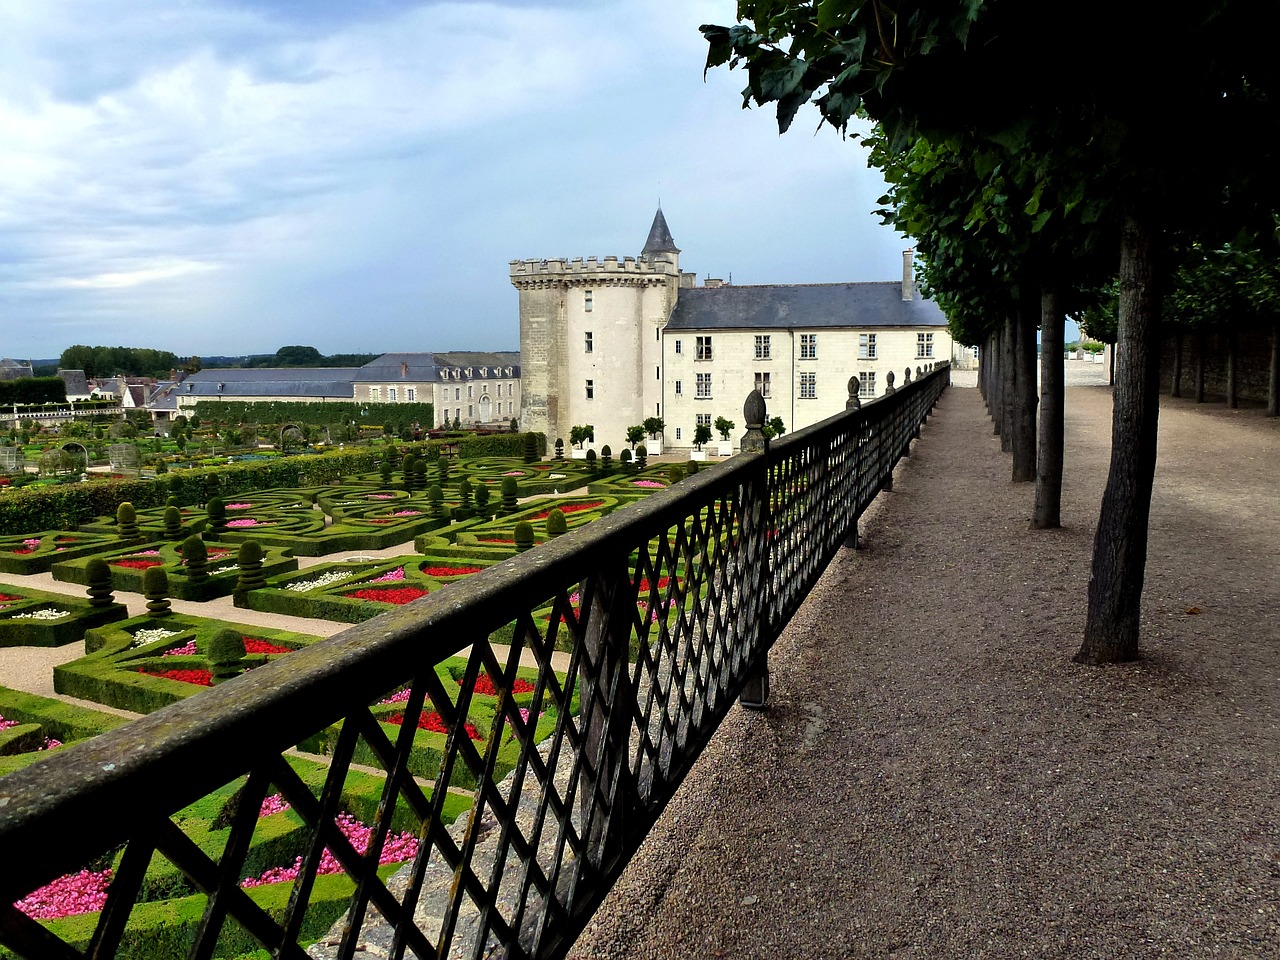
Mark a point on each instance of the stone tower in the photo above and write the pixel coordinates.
(591, 338)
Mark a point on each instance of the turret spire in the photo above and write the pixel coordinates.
(659, 237)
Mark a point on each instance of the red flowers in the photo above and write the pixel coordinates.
(254, 645)
(137, 564)
(449, 571)
(396, 595)
(484, 686)
(201, 678)
(434, 722)
(569, 508)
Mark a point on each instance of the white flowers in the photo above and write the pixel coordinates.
(324, 580)
(50, 614)
(143, 637)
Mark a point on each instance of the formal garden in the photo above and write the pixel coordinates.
(236, 531)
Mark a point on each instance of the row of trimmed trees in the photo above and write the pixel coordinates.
(1034, 163)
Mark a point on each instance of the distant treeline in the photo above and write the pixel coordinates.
(119, 361)
(295, 356)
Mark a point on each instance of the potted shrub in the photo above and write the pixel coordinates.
(724, 427)
(701, 435)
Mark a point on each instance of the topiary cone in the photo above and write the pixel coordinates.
(524, 536)
(172, 523)
(217, 513)
(196, 557)
(435, 500)
(556, 525)
(127, 521)
(99, 573)
(155, 587)
(510, 491)
(251, 575)
(226, 655)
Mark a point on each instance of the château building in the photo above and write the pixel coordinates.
(610, 342)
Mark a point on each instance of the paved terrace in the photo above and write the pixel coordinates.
(937, 779)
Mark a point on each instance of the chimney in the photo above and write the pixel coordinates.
(404, 369)
(908, 274)
(712, 283)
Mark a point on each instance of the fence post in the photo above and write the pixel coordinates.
(853, 403)
(755, 527)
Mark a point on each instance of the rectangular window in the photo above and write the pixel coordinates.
(469, 409)
(411, 394)
(679, 388)
(679, 349)
(586, 300)
(704, 420)
(763, 385)
(471, 391)
(375, 394)
(704, 386)
(677, 433)
(808, 386)
(591, 389)
(924, 344)
(657, 373)
(808, 346)
(866, 346)
(762, 346)
(657, 334)
(589, 343)
(704, 348)
(457, 393)
(391, 394)
(866, 384)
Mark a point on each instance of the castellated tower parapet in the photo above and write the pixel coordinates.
(595, 269)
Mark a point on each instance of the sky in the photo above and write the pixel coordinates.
(223, 177)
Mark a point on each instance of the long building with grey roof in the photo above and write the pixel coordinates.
(612, 341)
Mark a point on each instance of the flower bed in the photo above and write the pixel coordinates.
(129, 565)
(142, 664)
(34, 725)
(37, 618)
(37, 552)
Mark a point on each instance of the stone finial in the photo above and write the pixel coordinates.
(919, 372)
(753, 413)
(888, 383)
(855, 386)
(906, 376)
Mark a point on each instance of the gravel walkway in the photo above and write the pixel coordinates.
(935, 777)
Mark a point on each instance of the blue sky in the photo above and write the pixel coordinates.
(212, 176)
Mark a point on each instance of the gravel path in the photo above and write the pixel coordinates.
(935, 778)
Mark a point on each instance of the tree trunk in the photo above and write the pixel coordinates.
(1120, 542)
(1201, 346)
(1024, 396)
(1175, 389)
(1273, 383)
(1233, 370)
(1052, 413)
(1008, 365)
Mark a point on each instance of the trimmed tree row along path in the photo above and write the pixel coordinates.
(935, 777)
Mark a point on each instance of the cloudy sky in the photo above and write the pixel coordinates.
(230, 176)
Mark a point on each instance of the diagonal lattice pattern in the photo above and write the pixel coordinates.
(490, 812)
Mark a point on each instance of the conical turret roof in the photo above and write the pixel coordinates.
(659, 237)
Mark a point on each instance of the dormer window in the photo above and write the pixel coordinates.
(468, 373)
(484, 372)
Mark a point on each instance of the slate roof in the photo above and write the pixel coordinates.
(77, 384)
(424, 366)
(659, 239)
(272, 382)
(806, 306)
(14, 369)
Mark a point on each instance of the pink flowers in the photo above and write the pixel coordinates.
(186, 650)
(239, 506)
(398, 848)
(272, 804)
(243, 522)
(407, 513)
(648, 484)
(389, 576)
(75, 893)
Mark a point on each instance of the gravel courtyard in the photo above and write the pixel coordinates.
(936, 778)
